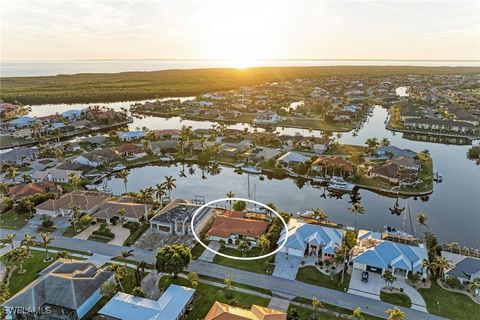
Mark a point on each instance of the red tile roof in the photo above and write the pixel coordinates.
(224, 226)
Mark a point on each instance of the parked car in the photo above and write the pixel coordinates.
(365, 276)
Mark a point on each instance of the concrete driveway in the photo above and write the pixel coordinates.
(370, 289)
(87, 232)
(207, 255)
(286, 266)
(121, 234)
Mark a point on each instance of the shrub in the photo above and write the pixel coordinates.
(47, 221)
(453, 282)
(414, 277)
(104, 231)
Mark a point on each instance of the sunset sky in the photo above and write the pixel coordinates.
(239, 30)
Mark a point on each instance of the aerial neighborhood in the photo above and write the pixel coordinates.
(102, 206)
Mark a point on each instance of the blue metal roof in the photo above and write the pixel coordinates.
(328, 238)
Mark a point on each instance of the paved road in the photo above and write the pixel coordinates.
(290, 287)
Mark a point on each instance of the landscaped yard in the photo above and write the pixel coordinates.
(13, 220)
(135, 233)
(311, 275)
(452, 305)
(198, 250)
(264, 265)
(396, 298)
(206, 295)
(329, 307)
(305, 313)
(33, 266)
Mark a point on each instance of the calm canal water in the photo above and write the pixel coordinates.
(453, 209)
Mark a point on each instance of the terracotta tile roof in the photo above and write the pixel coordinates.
(224, 226)
(85, 200)
(234, 214)
(128, 148)
(222, 311)
(333, 161)
(28, 189)
(110, 209)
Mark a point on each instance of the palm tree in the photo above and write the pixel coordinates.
(395, 314)
(74, 180)
(119, 272)
(27, 241)
(46, 240)
(58, 153)
(29, 205)
(316, 304)
(357, 314)
(4, 189)
(441, 265)
(124, 176)
(160, 191)
(145, 196)
(11, 173)
(21, 254)
(421, 219)
(125, 254)
(9, 239)
(318, 214)
(384, 142)
(75, 215)
(263, 243)
(356, 208)
(230, 194)
(170, 185)
(121, 213)
(63, 254)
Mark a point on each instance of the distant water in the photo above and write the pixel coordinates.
(50, 68)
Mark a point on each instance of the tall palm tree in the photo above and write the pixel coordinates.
(4, 189)
(119, 272)
(160, 191)
(125, 254)
(170, 185)
(9, 239)
(230, 194)
(46, 240)
(263, 243)
(395, 314)
(27, 241)
(356, 208)
(21, 255)
(11, 173)
(124, 176)
(74, 180)
(441, 265)
(29, 205)
(422, 219)
(74, 216)
(145, 196)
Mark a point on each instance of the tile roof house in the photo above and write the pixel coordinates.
(130, 135)
(69, 287)
(222, 311)
(130, 150)
(315, 144)
(377, 255)
(88, 202)
(292, 157)
(331, 163)
(171, 305)
(406, 162)
(96, 158)
(28, 189)
(388, 171)
(19, 155)
(311, 239)
(233, 226)
(55, 174)
(133, 211)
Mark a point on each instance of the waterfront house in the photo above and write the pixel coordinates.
(22, 122)
(222, 311)
(95, 141)
(233, 149)
(376, 254)
(163, 146)
(131, 151)
(29, 189)
(55, 174)
(176, 216)
(233, 226)
(311, 240)
(68, 288)
(45, 120)
(95, 158)
(260, 154)
(326, 163)
(171, 305)
(465, 268)
(406, 162)
(130, 135)
(393, 151)
(408, 110)
(133, 211)
(314, 144)
(167, 134)
(388, 171)
(266, 117)
(73, 114)
(291, 158)
(19, 156)
(87, 201)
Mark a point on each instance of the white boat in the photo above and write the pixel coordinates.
(306, 214)
(119, 167)
(252, 170)
(338, 184)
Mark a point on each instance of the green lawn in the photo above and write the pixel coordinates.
(311, 275)
(331, 307)
(135, 234)
(8, 141)
(13, 220)
(206, 295)
(198, 250)
(69, 232)
(258, 265)
(396, 298)
(344, 149)
(33, 266)
(452, 305)
(238, 285)
(305, 313)
(98, 238)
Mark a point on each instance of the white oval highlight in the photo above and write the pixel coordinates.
(284, 242)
